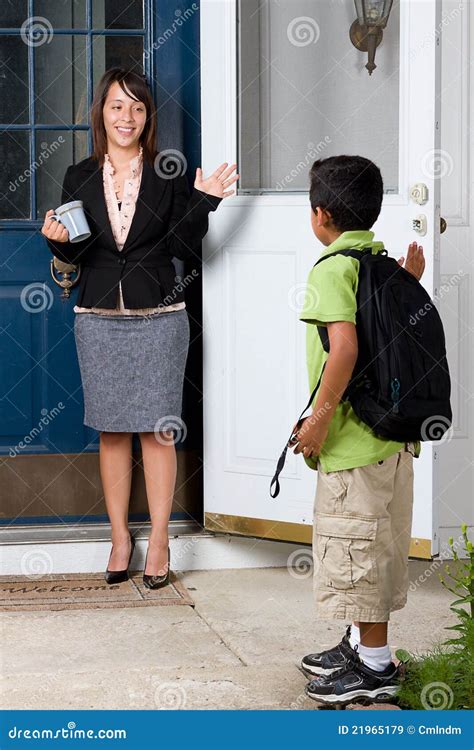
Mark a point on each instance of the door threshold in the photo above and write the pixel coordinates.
(99, 532)
(35, 551)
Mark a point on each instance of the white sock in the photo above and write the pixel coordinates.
(375, 658)
(354, 636)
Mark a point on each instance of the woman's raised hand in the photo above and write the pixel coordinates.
(218, 182)
(53, 229)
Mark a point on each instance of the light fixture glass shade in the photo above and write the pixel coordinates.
(373, 12)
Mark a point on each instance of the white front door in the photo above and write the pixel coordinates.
(456, 453)
(282, 85)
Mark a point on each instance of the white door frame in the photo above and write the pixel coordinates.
(234, 497)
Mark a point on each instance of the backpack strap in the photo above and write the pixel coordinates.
(357, 254)
(282, 459)
(350, 252)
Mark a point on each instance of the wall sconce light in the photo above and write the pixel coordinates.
(366, 31)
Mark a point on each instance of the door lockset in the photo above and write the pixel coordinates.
(419, 224)
(419, 193)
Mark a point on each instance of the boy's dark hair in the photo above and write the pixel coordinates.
(350, 188)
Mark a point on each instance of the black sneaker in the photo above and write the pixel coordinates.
(328, 661)
(355, 682)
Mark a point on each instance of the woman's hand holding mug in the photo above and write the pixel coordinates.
(53, 229)
(67, 224)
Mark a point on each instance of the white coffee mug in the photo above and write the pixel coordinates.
(72, 216)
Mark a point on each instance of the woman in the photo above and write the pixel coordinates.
(131, 326)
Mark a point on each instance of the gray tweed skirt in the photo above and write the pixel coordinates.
(132, 370)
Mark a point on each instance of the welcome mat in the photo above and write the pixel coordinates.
(85, 591)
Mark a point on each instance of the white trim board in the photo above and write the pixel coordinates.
(188, 552)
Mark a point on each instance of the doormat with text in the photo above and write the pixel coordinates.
(85, 591)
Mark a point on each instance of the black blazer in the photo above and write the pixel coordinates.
(169, 221)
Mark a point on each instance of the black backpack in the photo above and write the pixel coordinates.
(400, 386)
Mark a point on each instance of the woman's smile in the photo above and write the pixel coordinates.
(125, 131)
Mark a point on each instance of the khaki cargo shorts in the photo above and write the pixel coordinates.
(361, 539)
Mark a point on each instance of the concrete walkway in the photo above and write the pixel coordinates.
(238, 648)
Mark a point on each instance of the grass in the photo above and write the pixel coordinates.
(443, 679)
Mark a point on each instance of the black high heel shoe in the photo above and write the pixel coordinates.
(117, 576)
(156, 582)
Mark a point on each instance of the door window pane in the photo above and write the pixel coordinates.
(12, 14)
(15, 161)
(61, 81)
(117, 14)
(304, 93)
(111, 51)
(63, 15)
(13, 80)
(58, 65)
(55, 151)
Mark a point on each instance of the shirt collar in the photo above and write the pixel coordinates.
(135, 163)
(357, 239)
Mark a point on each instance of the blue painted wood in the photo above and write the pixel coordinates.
(41, 404)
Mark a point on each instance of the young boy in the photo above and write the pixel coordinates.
(364, 497)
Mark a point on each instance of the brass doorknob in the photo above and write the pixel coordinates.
(442, 225)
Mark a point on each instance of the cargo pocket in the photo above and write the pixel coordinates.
(331, 491)
(345, 551)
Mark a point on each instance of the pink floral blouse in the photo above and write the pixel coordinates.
(120, 221)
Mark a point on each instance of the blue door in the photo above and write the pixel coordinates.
(51, 56)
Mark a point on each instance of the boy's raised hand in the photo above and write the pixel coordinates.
(415, 261)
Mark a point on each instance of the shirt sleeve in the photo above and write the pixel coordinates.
(331, 292)
(189, 220)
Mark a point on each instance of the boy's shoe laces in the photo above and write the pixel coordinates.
(352, 660)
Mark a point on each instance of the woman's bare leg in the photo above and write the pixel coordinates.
(116, 475)
(159, 464)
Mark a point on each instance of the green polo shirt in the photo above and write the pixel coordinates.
(331, 296)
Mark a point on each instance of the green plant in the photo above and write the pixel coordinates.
(429, 682)
(444, 678)
(461, 584)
